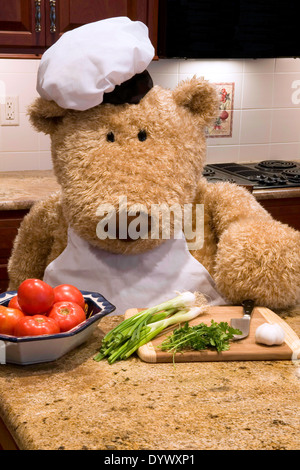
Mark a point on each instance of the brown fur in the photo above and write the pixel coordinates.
(247, 252)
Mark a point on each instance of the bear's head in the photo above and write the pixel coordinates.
(143, 154)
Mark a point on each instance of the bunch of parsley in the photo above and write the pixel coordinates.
(202, 336)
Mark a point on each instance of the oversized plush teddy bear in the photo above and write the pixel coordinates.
(145, 146)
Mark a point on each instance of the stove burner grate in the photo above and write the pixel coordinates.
(293, 175)
(275, 165)
(292, 172)
(264, 174)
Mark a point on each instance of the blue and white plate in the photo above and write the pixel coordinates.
(35, 349)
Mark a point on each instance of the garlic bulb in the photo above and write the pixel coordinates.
(270, 334)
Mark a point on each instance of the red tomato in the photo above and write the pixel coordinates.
(67, 315)
(36, 325)
(9, 317)
(14, 303)
(35, 296)
(68, 293)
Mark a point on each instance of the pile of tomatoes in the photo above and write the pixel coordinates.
(39, 309)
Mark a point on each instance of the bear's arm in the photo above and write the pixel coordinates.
(42, 236)
(256, 256)
(227, 203)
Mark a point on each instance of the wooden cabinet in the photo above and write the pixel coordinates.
(9, 223)
(286, 210)
(18, 24)
(6, 440)
(31, 26)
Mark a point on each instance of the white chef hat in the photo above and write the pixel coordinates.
(95, 59)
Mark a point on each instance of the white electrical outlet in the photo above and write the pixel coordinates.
(10, 111)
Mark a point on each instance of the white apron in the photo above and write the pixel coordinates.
(128, 281)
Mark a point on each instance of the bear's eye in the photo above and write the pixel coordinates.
(110, 137)
(142, 135)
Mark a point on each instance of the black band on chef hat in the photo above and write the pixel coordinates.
(131, 91)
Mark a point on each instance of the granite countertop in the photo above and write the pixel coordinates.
(21, 189)
(276, 193)
(77, 403)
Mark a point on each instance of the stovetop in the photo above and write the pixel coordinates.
(261, 175)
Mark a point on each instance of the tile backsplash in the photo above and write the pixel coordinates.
(265, 121)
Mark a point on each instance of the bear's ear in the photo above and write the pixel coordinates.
(45, 115)
(199, 97)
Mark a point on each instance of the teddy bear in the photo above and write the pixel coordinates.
(143, 147)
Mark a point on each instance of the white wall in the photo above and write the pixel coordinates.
(21, 148)
(266, 117)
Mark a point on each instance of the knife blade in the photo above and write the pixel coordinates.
(243, 323)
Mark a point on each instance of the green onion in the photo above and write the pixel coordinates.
(123, 340)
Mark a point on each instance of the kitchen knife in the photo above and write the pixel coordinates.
(243, 323)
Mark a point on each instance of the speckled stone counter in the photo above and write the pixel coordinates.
(20, 189)
(77, 403)
(277, 193)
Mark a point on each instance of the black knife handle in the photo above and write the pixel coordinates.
(248, 306)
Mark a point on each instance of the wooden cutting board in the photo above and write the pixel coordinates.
(243, 350)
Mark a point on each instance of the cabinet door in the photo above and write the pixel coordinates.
(62, 16)
(21, 24)
(30, 26)
(147, 12)
(286, 210)
(9, 223)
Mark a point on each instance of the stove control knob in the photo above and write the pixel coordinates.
(281, 180)
(269, 181)
(259, 178)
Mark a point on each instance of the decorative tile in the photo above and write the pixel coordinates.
(235, 137)
(222, 126)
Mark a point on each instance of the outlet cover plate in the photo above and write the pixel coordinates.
(10, 111)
